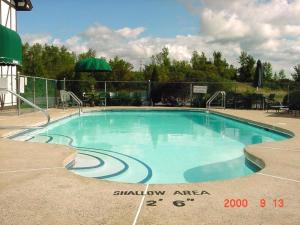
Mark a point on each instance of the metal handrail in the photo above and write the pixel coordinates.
(31, 104)
(211, 99)
(223, 104)
(79, 102)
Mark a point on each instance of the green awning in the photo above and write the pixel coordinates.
(10, 47)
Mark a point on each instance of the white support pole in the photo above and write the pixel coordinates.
(11, 84)
(18, 92)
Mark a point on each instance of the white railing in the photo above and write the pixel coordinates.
(79, 102)
(214, 96)
(31, 104)
(65, 97)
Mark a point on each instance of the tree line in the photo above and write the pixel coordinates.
(58, 62)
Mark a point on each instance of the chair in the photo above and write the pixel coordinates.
(102, 98)
(279, 107)
(270, 101)
(64, 98)
(85, 99)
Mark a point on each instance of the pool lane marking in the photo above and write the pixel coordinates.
(141, 205)
(29, 170)
(281, 178)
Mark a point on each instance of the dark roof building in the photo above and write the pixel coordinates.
(10, 44)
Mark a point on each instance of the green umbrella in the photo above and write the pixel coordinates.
(92, 65)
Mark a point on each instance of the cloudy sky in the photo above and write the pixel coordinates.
(136, 29)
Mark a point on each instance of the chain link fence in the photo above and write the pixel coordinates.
(41, 91)
(46, 93)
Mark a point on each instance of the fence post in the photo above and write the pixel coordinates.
(34, 90)
(47, 102)
(105, 93)
(149, 92)
(64, 83)
(191, 93)
(235, 94)
(288, 94)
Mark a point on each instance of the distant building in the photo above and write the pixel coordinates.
(10, 43)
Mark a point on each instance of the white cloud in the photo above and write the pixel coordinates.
(37, 39)
(267, 29)
(291, 30)
(131, 33)
(222, 25)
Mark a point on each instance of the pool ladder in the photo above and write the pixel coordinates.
(64, 99)
(214, 96)
(79, 102)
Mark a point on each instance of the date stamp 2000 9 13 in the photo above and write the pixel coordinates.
(244, 203)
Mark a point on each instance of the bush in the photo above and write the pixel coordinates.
(136, 99)
(125, 98)
(200, 100)
(244, 101)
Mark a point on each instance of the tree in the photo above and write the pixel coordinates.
(219, 63)
(88, 54)
(179, 70)
(198, 61)
(121, 70)
(47, 61)
(57, 62)
(275, 76)
(296, 75)
(267, 71)
(161, 63)
(247, 68)
(154, 74)
(162, 58)
(281, 75)
(32, 60)
(230, 73)
(223, 68)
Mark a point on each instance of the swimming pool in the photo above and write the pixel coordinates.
(157, 146)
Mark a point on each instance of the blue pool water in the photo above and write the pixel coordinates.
(157, 146)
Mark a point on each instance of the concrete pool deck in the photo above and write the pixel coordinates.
(35, 188)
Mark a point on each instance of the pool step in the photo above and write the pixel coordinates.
(111, 167)
(136, 173)
(53, 139)
(133, 171)
(40, 139)
(102, 164)
(86, 161)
